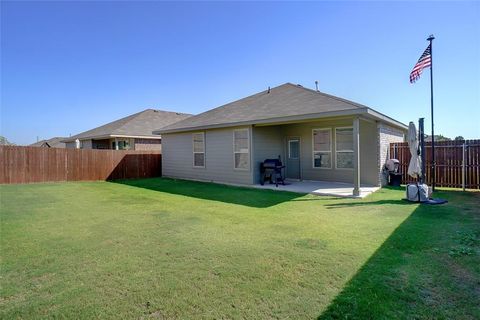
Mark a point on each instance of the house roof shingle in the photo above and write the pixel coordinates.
(138, 124)
(55, 142)
(282, 102)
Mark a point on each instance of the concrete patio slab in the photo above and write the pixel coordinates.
(323, 188)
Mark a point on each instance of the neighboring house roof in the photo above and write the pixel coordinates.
(140, 124)
(55, 142)
(287, 102)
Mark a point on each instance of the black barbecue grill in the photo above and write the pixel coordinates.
(271, 170)
(394, 176)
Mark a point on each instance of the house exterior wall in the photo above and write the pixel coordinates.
(70, 145)
(148, 144)
(369, 153)
(268, 143)
(386, 135)
(101, 144)
(133, 143)
(84, 144)
(177, 159)
(304, 132)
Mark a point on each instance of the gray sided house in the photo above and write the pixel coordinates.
(318, 137)
(130, 133)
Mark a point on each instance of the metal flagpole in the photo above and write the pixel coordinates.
(421, 138)
(430, 38)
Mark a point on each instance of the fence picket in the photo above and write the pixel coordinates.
(448, 157)
(35, 164)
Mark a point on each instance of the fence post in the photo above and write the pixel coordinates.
(463, 166)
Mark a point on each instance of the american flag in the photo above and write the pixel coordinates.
(424, 62)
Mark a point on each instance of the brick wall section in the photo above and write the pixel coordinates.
(148, 144)
(386, 135)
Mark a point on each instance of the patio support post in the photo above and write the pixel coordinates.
(356, 157)
(116, 144)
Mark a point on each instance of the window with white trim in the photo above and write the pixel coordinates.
(322, 148)
(123, 144)
(344, 148)
(241, 149)
(198, 149)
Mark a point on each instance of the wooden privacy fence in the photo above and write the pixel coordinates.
(457, 163)
(34, 164)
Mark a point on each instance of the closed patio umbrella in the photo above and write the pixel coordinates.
(415, 167)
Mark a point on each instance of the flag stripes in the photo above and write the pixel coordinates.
(422, 63)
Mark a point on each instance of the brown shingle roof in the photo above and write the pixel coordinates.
(285, 101)
(138, 124)
(55, 142)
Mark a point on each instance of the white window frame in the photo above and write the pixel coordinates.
(123, 140)
(330, 151)
(337, 151)
(235, 152)
(194, 152)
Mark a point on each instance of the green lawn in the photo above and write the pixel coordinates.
(160, 248)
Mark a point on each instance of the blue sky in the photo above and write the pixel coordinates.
(70, 66)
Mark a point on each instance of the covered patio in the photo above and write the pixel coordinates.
(335, 156)
(322, 188)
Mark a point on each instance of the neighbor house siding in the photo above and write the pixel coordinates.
(70, 145)
(386, 135)
(135, 144)
(148, 144)
(101, 144)
(177, 161)
(268, 143)
(84, 144)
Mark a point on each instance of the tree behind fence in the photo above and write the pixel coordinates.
(34, 164)
(448, 158)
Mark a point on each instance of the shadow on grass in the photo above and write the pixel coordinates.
(368, 203)
(402, 201)
(412, 276)
(216, 192)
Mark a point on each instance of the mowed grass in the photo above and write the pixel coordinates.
(160, 248)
